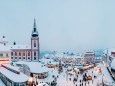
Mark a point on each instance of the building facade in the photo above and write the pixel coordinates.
(5, 52)
(89, 57)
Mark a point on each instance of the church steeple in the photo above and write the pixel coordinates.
(34, 26)
(35, 49)
(34, 32)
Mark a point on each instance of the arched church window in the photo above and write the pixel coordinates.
(23, 53)
(28, 53)
(12, 53)
(34, 58)
(15, 53)
(19, 53)
(34, 43)
(34, 53)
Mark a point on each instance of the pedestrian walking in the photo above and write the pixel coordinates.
(70, 79)
(85, 83)
(80, 80)
(88, 82)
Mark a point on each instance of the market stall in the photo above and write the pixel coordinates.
(11, 76)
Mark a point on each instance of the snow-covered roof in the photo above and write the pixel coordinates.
(54, 63)
(3, 40)
(89, 52)
(59, 55)
(107, 77)
(13, 76)
(12, 67)
(46, 55)
(35, 67)
(43, 84)
(45, 61)
(109, 51)
(20, 46)
(78, 56)
(76, 69)
(113, 64)
(4, 48)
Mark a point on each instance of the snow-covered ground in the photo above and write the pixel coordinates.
(64, 79)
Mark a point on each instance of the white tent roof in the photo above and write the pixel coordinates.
(12, 67)
(13, 76)
(35, 67)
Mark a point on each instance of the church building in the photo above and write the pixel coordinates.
(21, 52)
(27, 52)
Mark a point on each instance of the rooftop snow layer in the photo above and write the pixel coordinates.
(20, 46)
(35, 67)
(13, 76)
(4, 48)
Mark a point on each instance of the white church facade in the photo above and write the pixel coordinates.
(23, 52)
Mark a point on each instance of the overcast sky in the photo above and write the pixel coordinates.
(63, 25)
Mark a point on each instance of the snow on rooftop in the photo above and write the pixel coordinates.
(4, 48)
(43, 84)
(113, 64)
(109, 51)
(3, 40)
(12, 67)
(89, 52)
(45, 61)
(20, 46)
(107, 77)
(46, 55)
(78, 56)
(35, 67)
(13, 76)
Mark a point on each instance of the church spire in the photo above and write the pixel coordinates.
(34, 32)
(34, 26)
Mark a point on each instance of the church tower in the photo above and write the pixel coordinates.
(35, 50)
